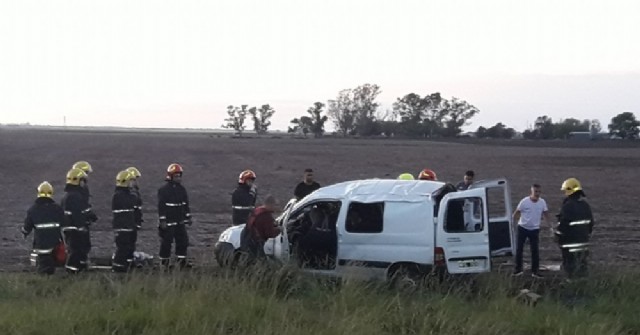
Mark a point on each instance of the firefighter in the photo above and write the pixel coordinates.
(427, 174)
(86, 167)
(45, 217)
(135, 189)
(260, 227)
(406, 176)
(174, 214)
(243, 199)
(575, 224)
(123, 206)
(78, 216)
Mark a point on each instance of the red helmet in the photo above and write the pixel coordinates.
(174, 169)
(427, 174)
(246, 175)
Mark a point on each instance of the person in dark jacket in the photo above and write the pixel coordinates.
(135, 189)
(306, 186)
(259, 228)
(575, 225)
(123, 206)
(78, 216)
(45, 217)
(174, 214)
(467, 180)
(86, 167)
(243, 199)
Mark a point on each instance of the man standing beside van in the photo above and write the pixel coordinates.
(466, 181)
(306, 186)
(529, 214)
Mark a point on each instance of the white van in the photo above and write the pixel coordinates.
(375, 228)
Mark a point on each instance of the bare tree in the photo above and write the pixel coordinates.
(261, 118)
(237, 116)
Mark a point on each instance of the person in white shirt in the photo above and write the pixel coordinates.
(529, 214)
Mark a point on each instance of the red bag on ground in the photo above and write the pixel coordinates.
(60, 254)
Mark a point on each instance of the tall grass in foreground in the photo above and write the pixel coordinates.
(282, 301)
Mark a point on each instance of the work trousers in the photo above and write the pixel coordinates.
(78, 243)
(534, 242)
(574, 263)
(46, 264)
(168, 235)
(125, 247)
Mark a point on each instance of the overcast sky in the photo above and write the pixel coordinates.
(180, 63)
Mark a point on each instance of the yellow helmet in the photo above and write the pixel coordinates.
(133, 171)
(45, 190)
(75, 175)
(570, 186)
(123, 177)
(83, 165)
(406, 176)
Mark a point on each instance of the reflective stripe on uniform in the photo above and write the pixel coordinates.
(47, 225)
(68, 213)
(578, 249)
(86, 210)
(137, 207)
(574, 245)
(242, 207)
(69, 228)
(43, 251)
(170, 204)
(73, 268)
(123, 229)
(188, 215)
(162, 217)
(181, 257)
(122, 210)
(573, 223)
(169, 224)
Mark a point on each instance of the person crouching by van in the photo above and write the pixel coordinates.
(260, 227)
(529, 214)
(45, 217)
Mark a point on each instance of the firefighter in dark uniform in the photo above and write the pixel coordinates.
(243, 199)
(86, 167)
(45, 217)
(123, 206)
(575, 224)
(135, 189)
(174, 214)
(78, 216)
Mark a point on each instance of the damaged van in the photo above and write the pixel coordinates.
(376, 228)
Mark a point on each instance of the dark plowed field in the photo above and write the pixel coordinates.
(212, 163)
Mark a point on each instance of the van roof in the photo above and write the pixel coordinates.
(373, 190)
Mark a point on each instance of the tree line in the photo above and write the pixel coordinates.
(355, 112)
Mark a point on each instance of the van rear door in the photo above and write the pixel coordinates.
(501, 232)
(463, 233)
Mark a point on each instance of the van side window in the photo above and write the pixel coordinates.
(464, 216)
(365, 218)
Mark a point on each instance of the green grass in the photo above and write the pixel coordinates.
(282, 301)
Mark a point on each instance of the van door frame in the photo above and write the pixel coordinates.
(503, 184)
(468, 251)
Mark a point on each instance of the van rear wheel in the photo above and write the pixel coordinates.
(405, 276)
